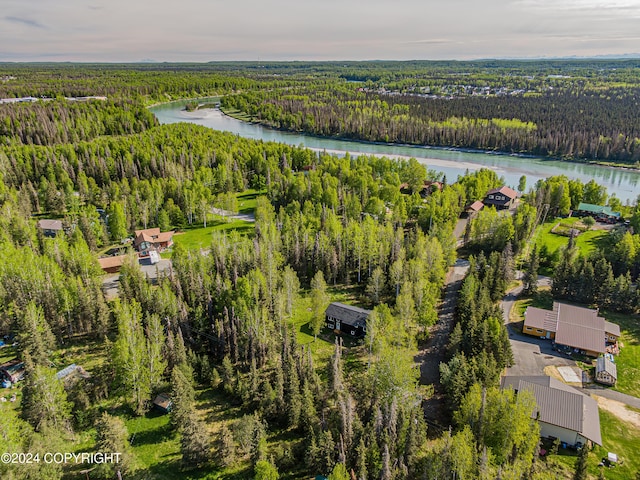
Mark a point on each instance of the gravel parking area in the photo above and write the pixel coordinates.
(111, 282)
(531, 355)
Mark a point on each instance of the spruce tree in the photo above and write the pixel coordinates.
(581, 464)
(530, 278)
(112, 436)
(195, 443)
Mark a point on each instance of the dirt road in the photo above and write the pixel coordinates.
(433, 353)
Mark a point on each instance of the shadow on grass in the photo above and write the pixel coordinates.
(328, 336)
(161, 433)
(176, 469)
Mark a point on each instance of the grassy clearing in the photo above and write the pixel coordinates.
(618, 437)
(237, 114)
(155, 444)
(7, 353)
(551, 242)
(200, 238)
(628, 362)
(87, 353)
(542, 299)
(247, 200)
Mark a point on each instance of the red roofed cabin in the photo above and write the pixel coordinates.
(501, 198)
(474, 208)
(152, 239)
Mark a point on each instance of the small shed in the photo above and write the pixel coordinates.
(112, 264)
(13, 370)
(163, 402)
(347, 319)
(606, 371)
(474, 208)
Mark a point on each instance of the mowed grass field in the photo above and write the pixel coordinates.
(628, 362)
(200, 238)
(551, 242)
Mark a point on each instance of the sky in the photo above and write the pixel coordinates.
(265, 30)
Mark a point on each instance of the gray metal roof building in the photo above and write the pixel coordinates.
(576, 327)
(560, 405)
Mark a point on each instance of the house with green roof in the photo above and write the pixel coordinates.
(598, 212)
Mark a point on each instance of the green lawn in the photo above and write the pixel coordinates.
(586, 241)
(617, 437)
(7, 353)
(322, 347)
(155, 443)
(628, 362)
(200, 238)
(247, 200)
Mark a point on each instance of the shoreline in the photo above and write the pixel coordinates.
(435, 147)
(408, 145)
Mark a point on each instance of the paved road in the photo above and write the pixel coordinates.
(247, 217)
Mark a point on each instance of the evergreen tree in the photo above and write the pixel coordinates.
(530, 277)
(580, 472)
(112, 436)
(182, 397)
(36, 338)
(319, 302)
(339, 472)
(44, 400)
(195, 443)
(130, 355)
(226, 451)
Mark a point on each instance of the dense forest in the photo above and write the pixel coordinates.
(220, 331)
(575, 123)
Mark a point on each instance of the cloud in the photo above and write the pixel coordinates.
(25, 21)
(602, 6)
(430, 41)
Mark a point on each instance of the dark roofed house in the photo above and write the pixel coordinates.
(562, 411)
(500, 198)
(347, 319)
(50, 228)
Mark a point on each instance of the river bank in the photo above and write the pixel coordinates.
(244, 117)
(624, 182)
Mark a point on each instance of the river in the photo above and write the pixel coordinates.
(625, 184)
